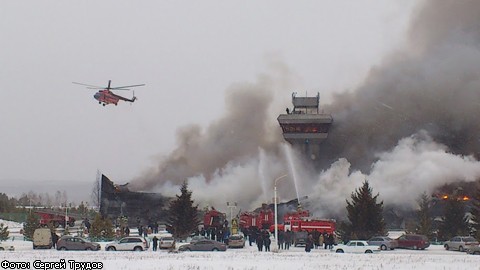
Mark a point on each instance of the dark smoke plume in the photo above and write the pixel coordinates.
(235, 137)
(409, 127)
(433, 85)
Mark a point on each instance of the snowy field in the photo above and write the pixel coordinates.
(435, 257)
(248, 258)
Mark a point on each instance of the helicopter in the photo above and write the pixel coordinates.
(105, 96)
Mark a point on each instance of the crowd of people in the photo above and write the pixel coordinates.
(221, 234)
(318, 240)
(311, 240)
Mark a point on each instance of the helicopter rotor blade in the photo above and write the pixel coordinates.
(89, 85)
(120, 87)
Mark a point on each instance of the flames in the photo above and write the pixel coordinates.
(458, 198)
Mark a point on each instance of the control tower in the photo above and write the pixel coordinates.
(305, 127)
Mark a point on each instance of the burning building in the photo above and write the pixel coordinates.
(140, 208)
(305, 127)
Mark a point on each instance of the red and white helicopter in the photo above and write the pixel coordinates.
(106, 96)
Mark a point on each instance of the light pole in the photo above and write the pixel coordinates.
(275, 204)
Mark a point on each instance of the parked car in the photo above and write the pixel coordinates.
(460, 243)
(474, 250)
(413, 241)
(42, 238)
(383, 242)
(128, 243)
(204, 245)
(4, 246)
(76, 243)
(166, 242)
(356, 246)
(236, 241)
(197, 238)
(300, 238)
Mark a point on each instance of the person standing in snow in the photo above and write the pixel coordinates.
(309, 244)
(259, 242)
(281, 239)
(288, 239)
(154, 243)
(325, 240)
(330, 241)
(267, 241)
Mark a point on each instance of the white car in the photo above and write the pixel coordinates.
(166, 242)
(4, 246)
(461, 243)
(128, 243)
(356, 246)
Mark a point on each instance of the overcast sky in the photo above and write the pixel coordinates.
(55, 136)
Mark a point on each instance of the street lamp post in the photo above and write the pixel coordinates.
(275, 204)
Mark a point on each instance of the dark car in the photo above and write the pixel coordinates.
(461, 243)
(76, 243)
(383, 242)
(413, 241)
(204, 245)
(300, 238)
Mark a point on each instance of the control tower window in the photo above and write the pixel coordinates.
(304, 128)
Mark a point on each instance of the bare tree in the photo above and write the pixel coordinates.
(58, 198)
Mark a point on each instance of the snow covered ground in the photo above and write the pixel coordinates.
(435, 257)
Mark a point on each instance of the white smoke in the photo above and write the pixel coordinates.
(244, 184)
(416, 165)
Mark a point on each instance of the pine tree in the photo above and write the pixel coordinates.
(6, 204)
(183, 214)
(365, 214)
(424, 216)
(455, 221)
(30, 225)
(475, 211)
(3, 232)
(101, 228)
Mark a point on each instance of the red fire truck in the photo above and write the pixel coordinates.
(262, 219)
(213, 219)
(249, 219)
(300, 220)
(266, 217)
(310, 224)
(56, 217)
(296, 215)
